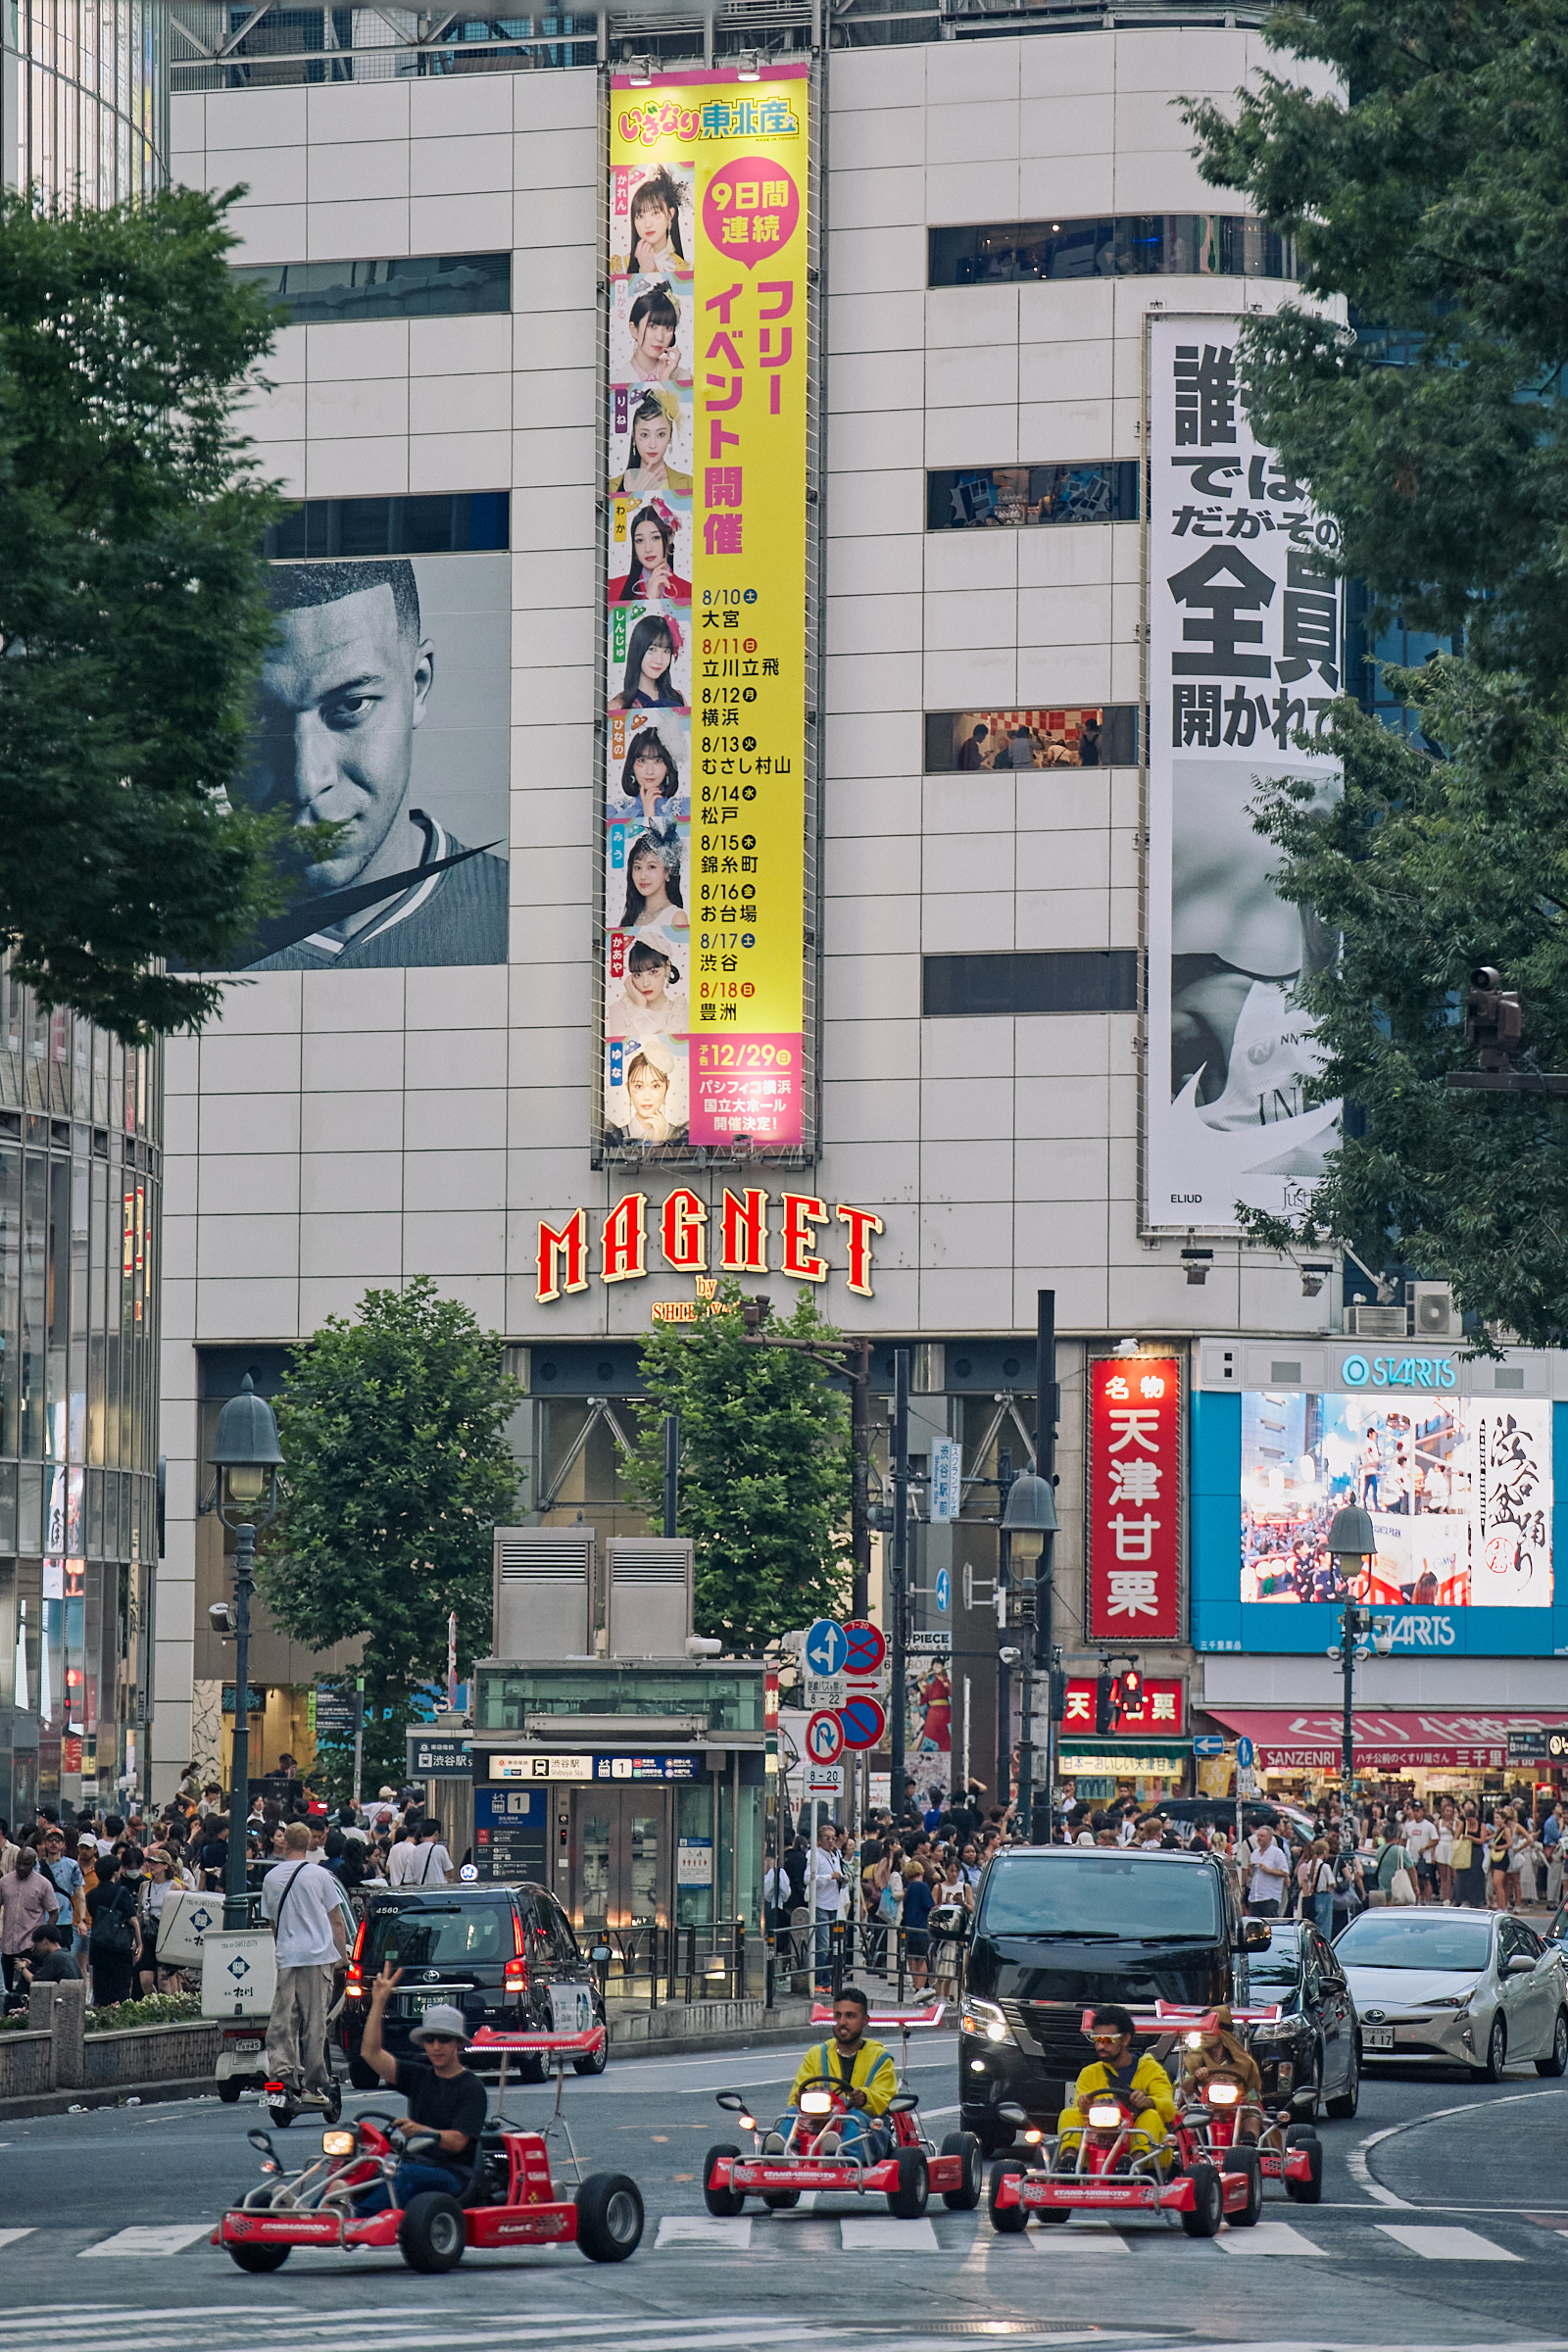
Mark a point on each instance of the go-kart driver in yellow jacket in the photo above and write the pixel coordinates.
(1142, 2083)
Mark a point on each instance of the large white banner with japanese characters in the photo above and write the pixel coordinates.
(1244, 657)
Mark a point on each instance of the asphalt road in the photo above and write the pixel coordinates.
(1444, 2223)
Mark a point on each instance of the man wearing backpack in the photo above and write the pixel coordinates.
(300, 1902)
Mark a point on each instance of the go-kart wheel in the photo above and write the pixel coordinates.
(610, 2217)
(725, 2202)
(229, 2089)
(595, 2065)
(432, 2232)
(1208, 2202)
(781, 2200)
(1009, 2221)
(908, 2201)
(1247, 2161)
(966, 2198)
(1309, 2191)
(1557, 2062)
(259, 2258)
(361, 2075)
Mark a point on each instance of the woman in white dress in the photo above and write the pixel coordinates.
(1443, 1851)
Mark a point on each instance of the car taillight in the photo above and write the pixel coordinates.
(516, 1976)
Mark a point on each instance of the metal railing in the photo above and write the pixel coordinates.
(657, 1962)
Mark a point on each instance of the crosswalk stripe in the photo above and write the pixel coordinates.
(9, 2238)
(1448, 2245)
(142, 2241)
(705, 2230)
(1267, 2237)
(882, 2235)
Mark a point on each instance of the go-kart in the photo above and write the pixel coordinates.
(814, 2158)
(506, 2198)
(1285, 2151)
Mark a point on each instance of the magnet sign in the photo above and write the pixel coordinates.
(824, 1738)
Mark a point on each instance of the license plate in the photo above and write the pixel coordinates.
(239, 2050)
(1377, 2037)
(415, 2004)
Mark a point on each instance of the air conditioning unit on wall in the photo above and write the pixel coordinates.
(1435, 1315)
(1376, 1323)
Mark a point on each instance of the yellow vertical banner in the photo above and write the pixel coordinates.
(707, 614)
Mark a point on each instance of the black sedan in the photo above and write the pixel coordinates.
(1312, 2056)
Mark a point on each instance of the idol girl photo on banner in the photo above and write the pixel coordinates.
(705, 608)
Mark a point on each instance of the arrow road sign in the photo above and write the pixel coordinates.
(864, 1721)
(1245, 1754)
(943, 1592)
(824, 1738)
(867, 1648)
(826, 1646)
(1209, 1743)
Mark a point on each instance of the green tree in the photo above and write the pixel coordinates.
(397, 1467)
(765, 1468)
(1430, 867)
(1435, 201)
(132, 606)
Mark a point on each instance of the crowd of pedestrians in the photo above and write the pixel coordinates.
(86, 1899)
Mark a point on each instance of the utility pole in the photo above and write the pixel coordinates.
(672, 1469)
(899, 1582)
(1003, 1596)
(1047, 1412)
(1352, 1540)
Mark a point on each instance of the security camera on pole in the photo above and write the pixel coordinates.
(1353, 1541)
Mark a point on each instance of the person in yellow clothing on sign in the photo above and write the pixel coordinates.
(861, 2070)
(1142, 2083)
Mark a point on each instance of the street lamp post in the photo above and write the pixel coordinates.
(247, 1458)
(1029, 1518)
(1353, 1538)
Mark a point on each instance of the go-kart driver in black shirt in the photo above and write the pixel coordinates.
(444, 2099)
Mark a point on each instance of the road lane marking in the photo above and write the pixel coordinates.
(705, 2230)
(146, 2240)
(1360, 2169)
(1267, 2237)
(1450, 2244)
(882, 2235)
(9, 2238)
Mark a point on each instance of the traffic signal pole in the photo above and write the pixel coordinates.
(1047, 1412)
(895, 1600)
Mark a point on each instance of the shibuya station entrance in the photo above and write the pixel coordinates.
(619, 1858)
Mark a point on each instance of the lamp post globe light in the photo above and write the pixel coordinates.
(247, 1458)
(1353, 1538)
(1028, 1523)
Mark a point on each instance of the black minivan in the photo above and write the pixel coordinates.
(1057, 1929)
(495, 1951)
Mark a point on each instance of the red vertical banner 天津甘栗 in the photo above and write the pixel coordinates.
(1135, 1500)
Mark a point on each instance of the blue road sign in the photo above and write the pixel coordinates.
(944, 1590)
(1209, 1743)
(826, 1646)
(1244, 1752)
(864, 1721)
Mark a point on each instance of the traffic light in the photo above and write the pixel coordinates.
(1494, 1020)
(1132, 1691)
(1108, 1703)
(1059, 1693)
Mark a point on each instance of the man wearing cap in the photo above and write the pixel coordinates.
(447, 2103)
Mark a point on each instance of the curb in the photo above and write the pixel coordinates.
(149, 2094)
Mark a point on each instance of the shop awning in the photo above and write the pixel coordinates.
(1386, 1738)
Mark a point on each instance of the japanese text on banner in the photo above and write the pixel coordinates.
(1135, 1500)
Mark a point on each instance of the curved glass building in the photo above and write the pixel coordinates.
(84, 98)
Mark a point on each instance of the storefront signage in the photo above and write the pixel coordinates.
(928, 1645)
(1161, 1709)
(439, 1759)
(1398, 1371)
(594, 1768)
(1135, 1503)
(678, 1230)
(707, 611)
(1384, 1740)
(1538, 1742)
(1244, 657)
(947, 1482)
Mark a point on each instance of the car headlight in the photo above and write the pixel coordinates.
(1283, 2030)
(1455, 2000)
(984, 2019)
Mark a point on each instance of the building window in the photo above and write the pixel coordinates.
(1130, 245)
(473, 521)
(1068, 737)
(1018, 497)
(446, 285)
(1072, 980)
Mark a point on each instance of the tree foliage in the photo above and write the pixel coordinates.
(1430, 867)
(132, 608)
(765, 1468)
(397, 1467)
(1435, 201)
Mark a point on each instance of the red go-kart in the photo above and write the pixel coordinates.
(1285, 2151)
(812, 2158)
(507, 2198)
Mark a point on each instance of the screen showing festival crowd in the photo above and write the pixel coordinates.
(1458, 1490)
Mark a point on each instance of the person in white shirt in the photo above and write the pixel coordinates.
(422, 1862)
(1270, 1867)
(385, 1809)
(828, 1885)
(301, 1905)
(1420, 1836)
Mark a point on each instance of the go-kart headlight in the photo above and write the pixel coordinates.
(817, 2102)
(1223, 2094)
(986, 2019)
(1106, 2117)
(1195, 2041)
(337, 2143)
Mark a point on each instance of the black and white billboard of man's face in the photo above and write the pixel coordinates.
(342, 691)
